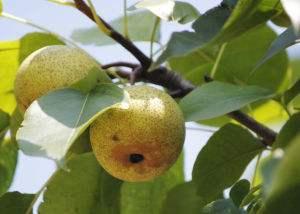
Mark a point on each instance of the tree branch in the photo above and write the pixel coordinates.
(177, 86)
(119, 38)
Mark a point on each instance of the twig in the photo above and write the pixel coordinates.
(119, 38)
(120, 64)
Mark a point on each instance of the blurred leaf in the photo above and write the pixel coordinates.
(9, 53)
(285, 187)
(8, 162)
(15, 202)
(291, 7)
(182, 199)
(219, 25)
(241, 55)
(63, 2)
(291, 93)
(239, 190)
(217, 98)
(184, 12)
(15, 123)
(53, 122)
(81, 145)
(148, 197)
(251, 196)
(34, 41)
(223, 160)
(4, 123)
(289, 131)
(87, 188)
(222, 206)
(12, 53)
(161, 8)
(283, 41)
(1, 6)
(236, 64)
(139, 27)
(268, 168)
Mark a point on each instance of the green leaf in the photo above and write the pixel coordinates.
(161, 8)
(217, 98)
(184, 12)
(139, 28)
(222, 206)
(53, 122)
(268, 168)
(223, 160)
(291, 93)
(283, 41)
(87, 188)
(285, 188)
(291, 7)
(15, 202)
(4, 123)
(237, 64)
(289, 131)
(15, 123)
(251, 196)
(12, 53)
(148, 197)
(1, 6)
(182, 199)
(8, 162)
(34, 41)
(239, 191)
(219, 25)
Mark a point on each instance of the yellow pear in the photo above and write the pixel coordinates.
(140, 141)
(50, 68)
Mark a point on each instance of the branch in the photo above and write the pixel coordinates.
(119, 38)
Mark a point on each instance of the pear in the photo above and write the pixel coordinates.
(50, 68)
(141, 141)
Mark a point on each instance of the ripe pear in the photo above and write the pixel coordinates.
(140, 141)
(50, 68)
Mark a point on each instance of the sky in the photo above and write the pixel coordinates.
(32, 172)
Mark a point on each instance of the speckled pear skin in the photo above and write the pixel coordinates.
(50, 68)
(152, 126)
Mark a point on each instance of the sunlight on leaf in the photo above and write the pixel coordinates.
(292, 9)
(161, 8)
(53, 122)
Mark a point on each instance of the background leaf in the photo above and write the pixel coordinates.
(285, 187)
(183, 199)
(239, 190)
(222, 206)
(4, 123)
(139, 28)
(219, 25)
(15, 202)
(184, 12)
(87, 188)
(161, 8)
(217, 98)
(289, 131)
(12, 53)
(291, 93)
(8, 162)
(283, 41)
(228, 152)
(53, 122)
(148, 197)
(290, 7)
